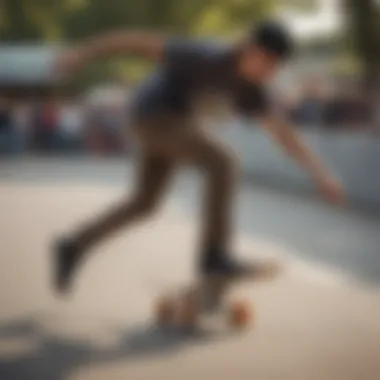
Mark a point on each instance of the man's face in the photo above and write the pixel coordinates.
(257, 65)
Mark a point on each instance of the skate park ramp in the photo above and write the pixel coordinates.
(320, 320)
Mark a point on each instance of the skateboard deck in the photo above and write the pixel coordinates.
(213, 296)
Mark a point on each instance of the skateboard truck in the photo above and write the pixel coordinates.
(208, 297)
(184, 310)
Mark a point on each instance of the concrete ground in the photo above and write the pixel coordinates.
(320, 320)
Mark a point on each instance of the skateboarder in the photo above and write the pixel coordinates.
(165, 118)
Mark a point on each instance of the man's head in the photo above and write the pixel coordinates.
(268, 45)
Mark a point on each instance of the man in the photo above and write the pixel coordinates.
(165, 121)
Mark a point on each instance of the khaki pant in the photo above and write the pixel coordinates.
(165, 143)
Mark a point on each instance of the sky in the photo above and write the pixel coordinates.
(326, 19)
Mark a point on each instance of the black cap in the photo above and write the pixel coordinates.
(274, 37)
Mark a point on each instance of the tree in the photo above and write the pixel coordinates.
(364, 31)
(71, 20)
(361, 33)
(25, 20)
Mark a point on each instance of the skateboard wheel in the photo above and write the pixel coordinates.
(188, 311)
(240, 314)
(164, 311)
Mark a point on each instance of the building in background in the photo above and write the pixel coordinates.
(27, 70)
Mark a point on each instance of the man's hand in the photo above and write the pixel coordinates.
(293, 144)
(331, 190)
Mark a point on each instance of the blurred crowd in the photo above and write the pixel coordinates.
(60, 126)
(343, 108)
(73, 125)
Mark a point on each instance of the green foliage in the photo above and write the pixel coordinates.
(71, 20)
(226, 17)
(22, 20)
(364, 36)
(299, 5)
(25, 20)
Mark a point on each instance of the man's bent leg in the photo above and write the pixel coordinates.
(193, 144)
(220, 168)
(153, 177)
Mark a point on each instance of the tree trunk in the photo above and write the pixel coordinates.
(363, 17)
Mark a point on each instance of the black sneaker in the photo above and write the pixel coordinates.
(66, 257)
(225, 265)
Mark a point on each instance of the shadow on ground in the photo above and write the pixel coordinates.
(55, 358)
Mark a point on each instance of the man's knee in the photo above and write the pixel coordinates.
(145, 205)
(222, 162)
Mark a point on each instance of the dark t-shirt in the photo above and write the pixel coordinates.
(190, 68)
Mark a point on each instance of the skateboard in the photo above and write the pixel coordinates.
(213, 296)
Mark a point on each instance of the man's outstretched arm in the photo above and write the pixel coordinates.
(145, 45)
(292, 143)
